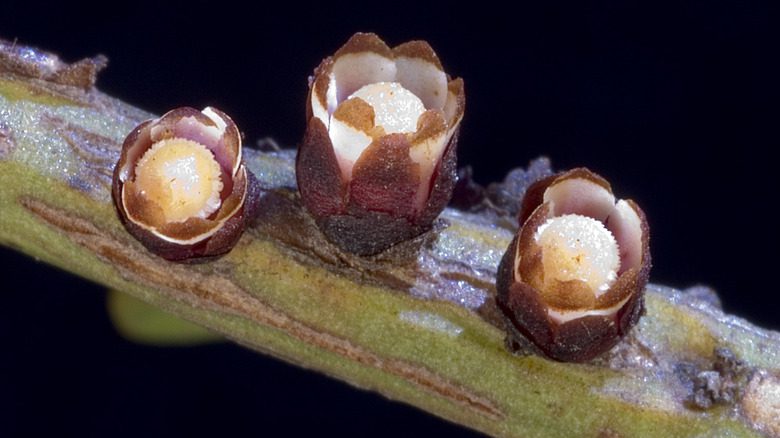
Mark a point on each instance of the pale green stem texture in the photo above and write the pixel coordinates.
(417, 324)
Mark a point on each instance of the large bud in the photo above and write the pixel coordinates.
(377, 162)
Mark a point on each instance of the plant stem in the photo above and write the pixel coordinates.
(417, 324)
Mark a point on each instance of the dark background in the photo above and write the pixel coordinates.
(676, 106)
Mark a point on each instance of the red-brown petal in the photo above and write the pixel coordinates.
(583, 339)
(579, 192)
(364, 42)
(317, 170)
(419, 71)
(427, 147)
(628, 225)
(629, 314)
(444, 178)
(317, 104)
(230, 232)
(134, 147)
(624, 285)
(568, 295)
(364, 59)
(535, 195)
(528, 253)
(418, 49)
(525, 313)
(385, 179)
(533, 198)
(231, 140)
(455, 105)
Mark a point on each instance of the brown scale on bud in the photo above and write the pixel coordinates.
(573, 278)
(377, 163)
(181, 187)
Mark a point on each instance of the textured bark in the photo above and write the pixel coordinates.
(417, 323)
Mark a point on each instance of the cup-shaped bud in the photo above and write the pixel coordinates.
(573, 278)
(377, 163)
(181, 187)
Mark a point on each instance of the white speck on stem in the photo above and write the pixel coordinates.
(431, 321)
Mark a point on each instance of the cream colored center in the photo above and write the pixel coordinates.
(182, 177)
(580, 248)
(396, 109)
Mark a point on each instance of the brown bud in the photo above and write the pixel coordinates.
(573, 278)
(377, 163)
(181, 187)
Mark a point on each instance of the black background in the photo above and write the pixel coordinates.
(676, 106)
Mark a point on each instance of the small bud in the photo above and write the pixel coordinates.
(377, 162)
(181, 187)
(573, 278)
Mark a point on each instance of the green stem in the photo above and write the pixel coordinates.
(417, 324)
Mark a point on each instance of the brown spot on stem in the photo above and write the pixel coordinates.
(7, 142)
(97, 152)
(217, 293)
(94, 149)
(609, 433)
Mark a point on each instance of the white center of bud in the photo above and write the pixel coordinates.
(580, 248)
(182, 177)
(396, 109)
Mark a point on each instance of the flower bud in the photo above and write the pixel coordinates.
(180, 186)
(377, 163)
(573, 278)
